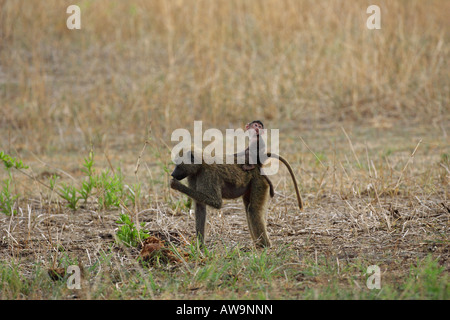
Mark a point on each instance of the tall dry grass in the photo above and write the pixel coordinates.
(168, 63)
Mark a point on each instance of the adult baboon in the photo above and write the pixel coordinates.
(208, 184)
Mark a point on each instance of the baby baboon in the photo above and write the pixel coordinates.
(208, 184)
(256, 146)
(256, 151)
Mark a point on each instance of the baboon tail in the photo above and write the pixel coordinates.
(288, 166)
(272, 192)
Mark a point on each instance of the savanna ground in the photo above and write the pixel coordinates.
(363, 118)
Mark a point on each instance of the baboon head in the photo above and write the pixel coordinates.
(256, 125)
(186, 167)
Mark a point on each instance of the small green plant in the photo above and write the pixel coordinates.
(127, 233)
(107, 186)
(11, 162)
(7, 199)
(69, 193)
(133, 193)
(111, 189)
(91, 182)
(52, 181)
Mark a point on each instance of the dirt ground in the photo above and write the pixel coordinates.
(341, 221)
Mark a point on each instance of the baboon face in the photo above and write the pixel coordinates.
(180, 172)
(255, 125)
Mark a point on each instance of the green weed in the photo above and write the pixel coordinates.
(7, 199)
(107, 188)
(127, 233)
(11, 162)
(69, 193)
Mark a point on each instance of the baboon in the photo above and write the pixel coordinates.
(208, 184)
(256, 146)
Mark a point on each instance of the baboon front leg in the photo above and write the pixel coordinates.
(200, 221)
(213, 198)
(255, 208)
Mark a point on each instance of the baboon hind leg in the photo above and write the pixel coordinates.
(255, 201)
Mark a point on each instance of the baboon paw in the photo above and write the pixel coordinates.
(174, 183)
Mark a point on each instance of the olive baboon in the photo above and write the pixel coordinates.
(208, 184)
(256, 146)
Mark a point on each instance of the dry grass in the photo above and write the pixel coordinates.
(393, 212)
(293, 63)
(363, 118)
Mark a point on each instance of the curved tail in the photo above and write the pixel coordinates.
(288, 166)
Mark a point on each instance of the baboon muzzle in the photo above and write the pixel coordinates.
(178, 174)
